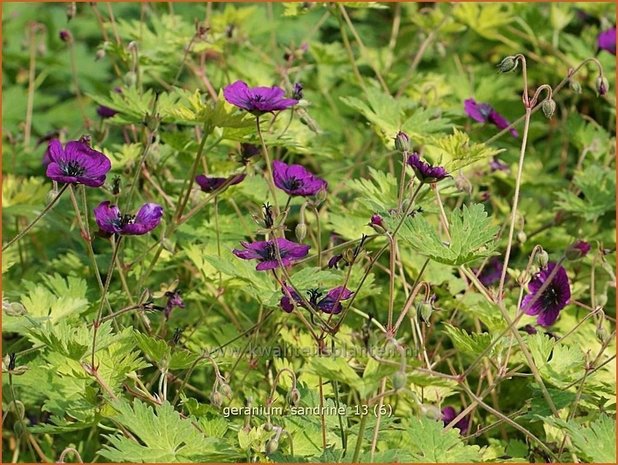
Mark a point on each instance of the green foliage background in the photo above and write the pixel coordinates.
(399, 67)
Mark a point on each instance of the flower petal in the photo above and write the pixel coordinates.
(148, 217)
(107, 217)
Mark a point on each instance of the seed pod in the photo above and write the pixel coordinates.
(549, 107)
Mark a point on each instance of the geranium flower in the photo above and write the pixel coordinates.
(449, 414)
(607, 40)
(552, 300)
(76, 163)
(331, 303)
(265, 253)
(484, 113)
(211, 184)
(424, 171)
(257, 100)
(173, 301)
(296, 179)
(105, 112)
(491, 272)
(111, 221)
(577, 250)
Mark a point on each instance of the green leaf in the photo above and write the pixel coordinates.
(379, 193)
(334, 368)
(456, 151)
(162, 436)
(597, 442)
(471, 231)
(471, 344)
(598, 188)
(427, 441)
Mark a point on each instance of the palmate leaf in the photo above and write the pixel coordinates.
(378, 193)
(471, 231)
(427, 441)
(470, 344)
(597, 442)
(162, 436)
(598, 186)
(456, 151)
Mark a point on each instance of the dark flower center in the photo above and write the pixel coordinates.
(257, 98)
(72, 168)
(293, 183)
(551, 297)
(269, 252)
(314, 295)
(122, 220)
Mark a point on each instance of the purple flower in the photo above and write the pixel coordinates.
(331, 303)
(449, 414)
(257, 100)
(105, 112)
(296, 179)
(248, 151)
(498, 165)
(607, 40)
(265, 253)
(553, 299)
(577, 250)
(424, 171)
(530, 329)
(334, 261)
(491, 272)
(76, 163)
(211, 184)
(376, 220)
(484, 113)
(297, 92)
(173, 301)
(111, 221)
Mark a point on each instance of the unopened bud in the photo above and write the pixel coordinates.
(508, 64)
(271, 446)
(15, 309)
(400, 379)
(293, 397)
(216, 399)
(130, 79)
(321, 196)
(425, 310)
(575, 86)
(65, 36)
(402, 142)
(226, 390)
(51, 196)
(522, 237)
(549, 107)
(602, 85)
(431, 411)
(268, 426)
(577, 250)
(100, 54)
(71, 10)
(377, 224)
(602, 334)
(300, 231)
(542, 258)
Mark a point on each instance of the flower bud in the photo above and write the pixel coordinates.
(225, 389)
(377, 224)
(15, 309)
(602, 334)
(602, 85)
(216, 399)
(577, 250)
(65, 36)
(402, 142)
(293, 397)
(268, 426)
(522, 237)
(399, 379)
(425, 310)
(300, 231)
(51, 196)
(71, 10)
(100, 54)
(542, 258)
(575, 86)
(549, 107)
(508, 64)
(271, 446)
(321, 196)
(130, 79)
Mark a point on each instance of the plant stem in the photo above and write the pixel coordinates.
(359, 439)
(47, 208)
(269, 169)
